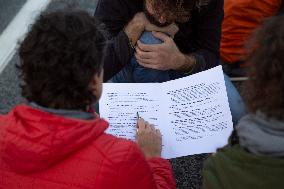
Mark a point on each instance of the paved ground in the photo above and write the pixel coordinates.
(8, 9)
(10, 93)
(187, 170)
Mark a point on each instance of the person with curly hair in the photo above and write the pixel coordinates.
(162, 40)
(255, 156)
(56, 140)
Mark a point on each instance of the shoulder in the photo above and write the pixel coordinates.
(125, 4)
(227, 153)
(118, 149)
(219, 166)
(208, 6)
(116, 13)
(233, 165)
(231, 156)
(2, 119)
(128, 149)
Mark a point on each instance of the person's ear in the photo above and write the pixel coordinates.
(96, 85)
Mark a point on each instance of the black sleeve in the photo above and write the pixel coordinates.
(281, 9)
(115, 14)
(209, 36)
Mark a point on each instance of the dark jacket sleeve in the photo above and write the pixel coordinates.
(281, 9)
(209, 25)
(115, 15)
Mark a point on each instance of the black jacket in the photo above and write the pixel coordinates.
(200, 36)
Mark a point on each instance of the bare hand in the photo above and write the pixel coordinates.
(135, 27)
(171, 29)
(149, 139)
(163, 56)
(97, 115)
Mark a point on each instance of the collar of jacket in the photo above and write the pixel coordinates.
(261, 135)
(65, 113)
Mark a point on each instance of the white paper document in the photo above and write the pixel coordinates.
(192, 113)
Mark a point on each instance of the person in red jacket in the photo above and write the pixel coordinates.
(55, 140)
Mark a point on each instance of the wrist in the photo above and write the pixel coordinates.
(187, 63)
(152, 155)
(134, 29)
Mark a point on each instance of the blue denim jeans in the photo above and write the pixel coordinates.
(135, 73)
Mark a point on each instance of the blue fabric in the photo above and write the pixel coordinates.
(236, 102)
(135, 73)
(146, 75)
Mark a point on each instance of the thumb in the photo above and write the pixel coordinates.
(160, 36)
(97, 115)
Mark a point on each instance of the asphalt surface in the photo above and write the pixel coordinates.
(187, 170)
(10, 93)
(8, 9)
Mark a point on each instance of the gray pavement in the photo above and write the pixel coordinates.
(8, 9)
(187, 170)
(10, 92)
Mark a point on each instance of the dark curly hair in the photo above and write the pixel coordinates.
(265, 89)
(59, 58)
(176, 10)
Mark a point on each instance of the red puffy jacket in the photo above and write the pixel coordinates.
(47, 151)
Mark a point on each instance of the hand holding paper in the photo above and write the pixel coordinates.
(149, 139)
